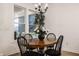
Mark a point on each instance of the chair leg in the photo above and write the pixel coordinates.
(46, 55)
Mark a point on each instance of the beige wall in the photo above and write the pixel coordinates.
(6, 29)
(7, 43)
(64, 19)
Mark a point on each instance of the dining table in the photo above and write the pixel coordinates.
(36, 43)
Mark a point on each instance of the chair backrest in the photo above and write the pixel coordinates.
(51, 36)
(23, 34)
(22, 43)
(59, 44)
(28, 37)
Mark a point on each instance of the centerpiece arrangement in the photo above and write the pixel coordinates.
(39, 21)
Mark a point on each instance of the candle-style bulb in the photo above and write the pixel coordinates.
(46, 5)
(39, 4)
(36, 6)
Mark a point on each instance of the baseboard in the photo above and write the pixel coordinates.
(13, 54)
(70, 51)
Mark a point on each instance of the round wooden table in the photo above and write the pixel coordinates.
(36, 43)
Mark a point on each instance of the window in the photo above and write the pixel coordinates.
(31, 23)
(19, 24)
(32, 26)
(19, 19)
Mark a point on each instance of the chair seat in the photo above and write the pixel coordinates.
(32, 53)
(30, 48)
(52, 52)
(52, 46)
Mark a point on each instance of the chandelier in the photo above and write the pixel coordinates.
(40, 10)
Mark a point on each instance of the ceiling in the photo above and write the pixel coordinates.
(18, 8)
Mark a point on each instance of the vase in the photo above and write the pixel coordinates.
(41, 37)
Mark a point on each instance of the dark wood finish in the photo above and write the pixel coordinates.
(51, 36)
(23, 49)
(57, 50)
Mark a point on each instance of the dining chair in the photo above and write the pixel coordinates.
(23, 34)
(22, 43)
(29, 38)
(57, 50)
(51, 36)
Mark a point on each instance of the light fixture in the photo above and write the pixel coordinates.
(40, 10)
(41, 7)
